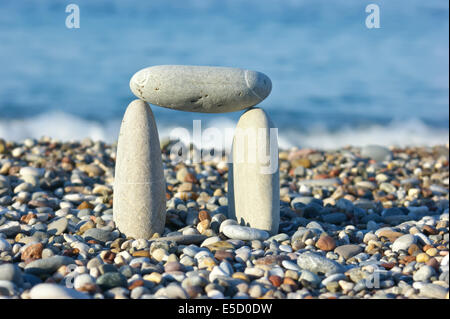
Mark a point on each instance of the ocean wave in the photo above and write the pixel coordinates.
(68, 127)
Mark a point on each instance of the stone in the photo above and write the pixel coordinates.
(244, 233)
(422, 258)
(10, 228)
(348, 251)
(54, 291)
(200, 88)
(111, 280)
(195, 239)
(424, 273)
(4, 245)
(47, 265)
(10, 272)
(433, 291)
(318, 264)
(310, 277)
(326, 243)
(32, 252)
(97, 234)
(58, 226)
(376, 152)
(139, 205)
(403, 242)
(253, 176)
(82, 280)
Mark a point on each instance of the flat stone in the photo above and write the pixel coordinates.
(334, 218)
(32, 171)
(110, 280)
(348, 251)
(253, 176)
(54, 291)
(376, 152)
(47, 265)
(318, 264)
(433, 291)
(58, 226)
(403, 242)
(4, 245)
(10, 272)
(244, 233)
(97, 234)
(10, 228)
(183, 239)
(325, 182)
(139, 185)
(200, 88)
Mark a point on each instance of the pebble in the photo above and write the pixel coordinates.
(97, 234)
(54, 291)
(10, 272)
(244, 233)
(424, 273)
(348, 251)
(110, 280)
(318, 264)
(47, 265)
(433, 291)
(58, 226)
(403, 242)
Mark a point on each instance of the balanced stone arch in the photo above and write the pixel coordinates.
(253, 175)
(139, 187)
(200, 88)
(139, 206)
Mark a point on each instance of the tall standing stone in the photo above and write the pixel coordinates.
(139, 186)
(253, 177)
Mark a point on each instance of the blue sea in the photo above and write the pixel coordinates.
(335, 81)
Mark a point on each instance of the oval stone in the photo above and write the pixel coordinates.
(200, 88)
(244, 233)
(139, 208)
(253, 176)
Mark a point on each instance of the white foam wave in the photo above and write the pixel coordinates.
(67, 127)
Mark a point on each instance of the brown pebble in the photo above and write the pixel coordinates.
(407, 259)
(32, 252)
(71, 252)
(141, 253)
(432, 262)
(203, 214)
(426, 247)
(190, 178)
(275, 280)
(387, 266)
(290, 282)
(26, 218)
(429, 230)
(413, 250)
(326, 243)
(135, 284)
(224, 255)
(85, 205)
(109, 257)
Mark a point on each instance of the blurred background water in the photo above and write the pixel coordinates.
(335, 82)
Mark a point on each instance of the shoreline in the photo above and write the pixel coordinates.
(350, 227)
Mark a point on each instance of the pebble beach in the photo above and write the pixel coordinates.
(356, 222)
